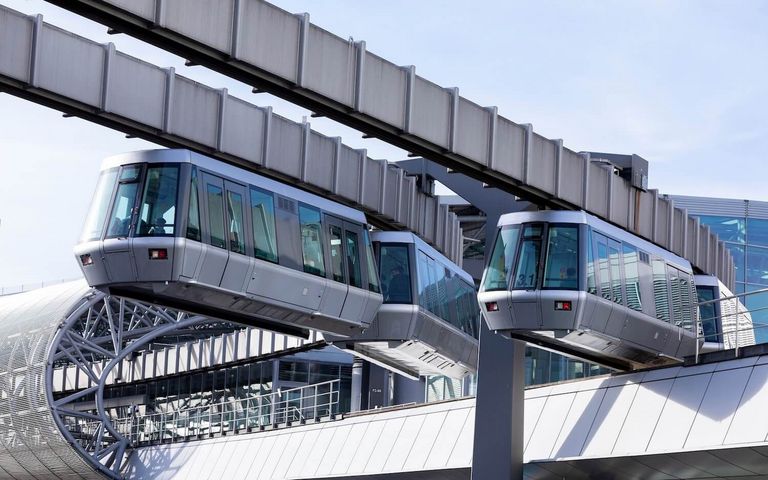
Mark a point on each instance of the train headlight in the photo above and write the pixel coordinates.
(86, 259)
(564, 305)
(492, 306)
(158, 253)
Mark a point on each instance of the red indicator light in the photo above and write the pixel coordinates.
(86, 259)
(564, 305)
(492, 306)
(158, 253)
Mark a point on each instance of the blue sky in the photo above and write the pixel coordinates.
(681, 83)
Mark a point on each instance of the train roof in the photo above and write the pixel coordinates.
(579, 216)
(235, 173)
(410, 237)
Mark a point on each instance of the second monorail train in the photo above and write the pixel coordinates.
(177, 228)
(571, 282)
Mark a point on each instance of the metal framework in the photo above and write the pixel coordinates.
(286, 55)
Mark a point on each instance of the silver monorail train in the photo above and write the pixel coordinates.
(178, 228)
(429, 322)
(571, 282)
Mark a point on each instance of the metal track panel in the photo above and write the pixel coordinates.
(284, 54)
(56, 68)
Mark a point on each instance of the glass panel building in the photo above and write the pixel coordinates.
(743, 226)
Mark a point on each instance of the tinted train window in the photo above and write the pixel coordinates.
(561, 270)
(353, 260)
(615, 274)
(687, 301)
(467, 309)
(500, 266)
(676, 300)
(591, 285)
(395, 274)
(158, 203)
(216, 215)
(708, 313)
(263, 215)
(311, 240)
(94, 223)
(632, 278)
(193, 219)
(603, 267)
(373, 277)
(660, 292)
(236, 227)
(337, 254)
(526, 274)
(122, 209)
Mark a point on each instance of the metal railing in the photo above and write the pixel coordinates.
(283, 407)
(732, 336)
(27, 287)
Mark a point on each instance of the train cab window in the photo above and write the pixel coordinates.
(562, 265)
(236, 227)
(122, 208)
(337, 253)
(311, 240)
(526, 273)
(263, 215)
(216, 215)
(500, 266)
(158, 203)
(632, 277)
(395, 274)
(193, 216)
(353, 259)
(94, 223)
(660, 291)
(373, 276)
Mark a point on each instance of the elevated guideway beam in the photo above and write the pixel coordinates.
(53, 67)
(284, 54)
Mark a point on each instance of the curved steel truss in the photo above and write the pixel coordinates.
(96, 338)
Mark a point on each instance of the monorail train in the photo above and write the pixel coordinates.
(429, 322)
(571, 282)
(177, 228)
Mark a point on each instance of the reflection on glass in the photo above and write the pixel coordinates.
(216, 215)
(158, 204)
(503, 255)
(120, 224)
(757, 232)
(527, 271)
(562, 266)
(337, 254)
(632, 278)
(395, 274)
(373, 276)
(757, 265)
(729, 229)
(236, 227)
(193, 218)
(263, 216)
(94, 223)
(311, 240)
(660, 291)
(708, 313)
(353, 260)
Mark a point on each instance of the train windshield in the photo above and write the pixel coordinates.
(158, 205)
(500, 267)
(395, 273)
(94, 223)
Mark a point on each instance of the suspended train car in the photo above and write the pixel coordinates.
(429, 321)
(571, 282)
(180, 229)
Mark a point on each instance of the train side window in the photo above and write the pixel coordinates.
(216, 215)
(603, 268)
(158, 205)
(615, 274)
(353, 259)
(677, 296)
(263, 215)
(337, 254)
(311, 240)
(500, 266)
(395, 274)
(632, 278)
(526, 273)
(236, 227)
(660, 290)
(687, 300)
(561, 267)
(373, 276)
(125, 199)
(591, 285)
(94, 223)
(427, 287)
(193, 217)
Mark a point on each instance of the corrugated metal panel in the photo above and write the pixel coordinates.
(712, 206)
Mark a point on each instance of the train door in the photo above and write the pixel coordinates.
(238, 231)
(337, 288)
(121, 222)
(604, 298)
(214, 256)
(618, 317)
(357, 298)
